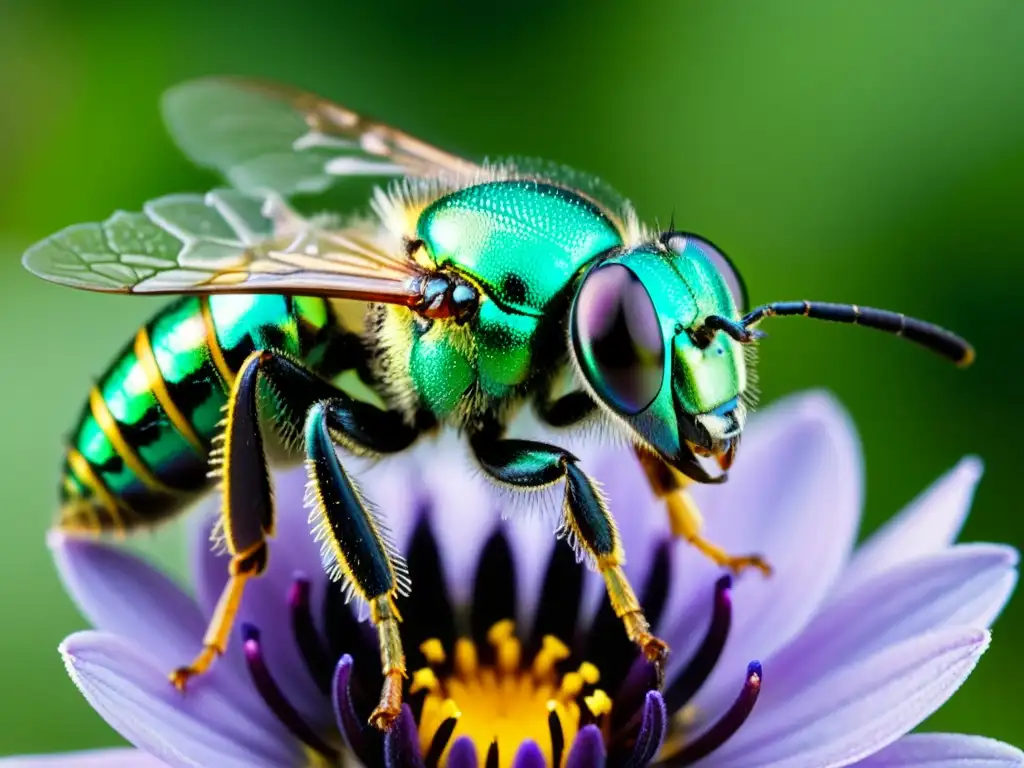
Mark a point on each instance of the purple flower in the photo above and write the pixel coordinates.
(515, 655)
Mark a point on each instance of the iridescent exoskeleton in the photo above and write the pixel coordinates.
(482, 289)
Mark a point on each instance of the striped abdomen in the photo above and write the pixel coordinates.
(141, 449)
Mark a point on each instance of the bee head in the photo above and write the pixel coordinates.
(638, 336)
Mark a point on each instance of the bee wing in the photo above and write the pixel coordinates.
(224, 242)
(267, 137)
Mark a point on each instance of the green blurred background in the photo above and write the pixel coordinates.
(868, 151)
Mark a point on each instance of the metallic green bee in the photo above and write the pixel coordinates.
(484, 286)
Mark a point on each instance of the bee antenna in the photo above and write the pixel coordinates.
(929, 336)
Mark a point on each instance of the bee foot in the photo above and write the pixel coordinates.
(739, 564)
(383, 718)
(180, 677)
(390, 706)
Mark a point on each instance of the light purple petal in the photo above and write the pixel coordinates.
(795, 496)
(202, 727)
(608, 458)
(120, 593)
(858, 709)
(97, 758)
(531, 541)
(265, 602)
(963, 586)
(441, 478)
(930, 523)
(394, 485)
(464, 508)
(945, 750)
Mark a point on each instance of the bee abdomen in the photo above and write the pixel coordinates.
(140, 452)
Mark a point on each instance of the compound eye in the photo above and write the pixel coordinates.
(678, 242)
(617, 338)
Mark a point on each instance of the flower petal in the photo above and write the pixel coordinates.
(641, 517)
(930, 523)
(120, 593)
(394, 485)
(440, 478)
(945, 750)
(859, 709)
(964, 586)
(199, 728)
(97, 758)
(795, 496)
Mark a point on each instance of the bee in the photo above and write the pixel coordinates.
(482, 286)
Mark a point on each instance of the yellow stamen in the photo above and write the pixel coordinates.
(465, 657)
(552, 650)
(509, 652)
(589, 673)
(450, 709)
(507, 701)
(572, 686)
(500, 632)
(433, 651)
(424, 679)
(598, 703)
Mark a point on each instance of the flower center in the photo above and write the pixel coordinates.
(507, 702)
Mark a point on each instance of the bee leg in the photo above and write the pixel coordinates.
(355, 540)
(247, 513)
(686, 521)
(587, 522)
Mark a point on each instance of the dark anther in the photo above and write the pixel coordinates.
(275, 698)
(703, 662)
(557, 737)
(492, 755)
(442, 736)
(730, 722)
(306, 635)
(413, 245)
(652, 731)
(628, 705)
(362, 739)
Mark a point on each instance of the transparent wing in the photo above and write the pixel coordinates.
(223, 242)
(266, 137)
